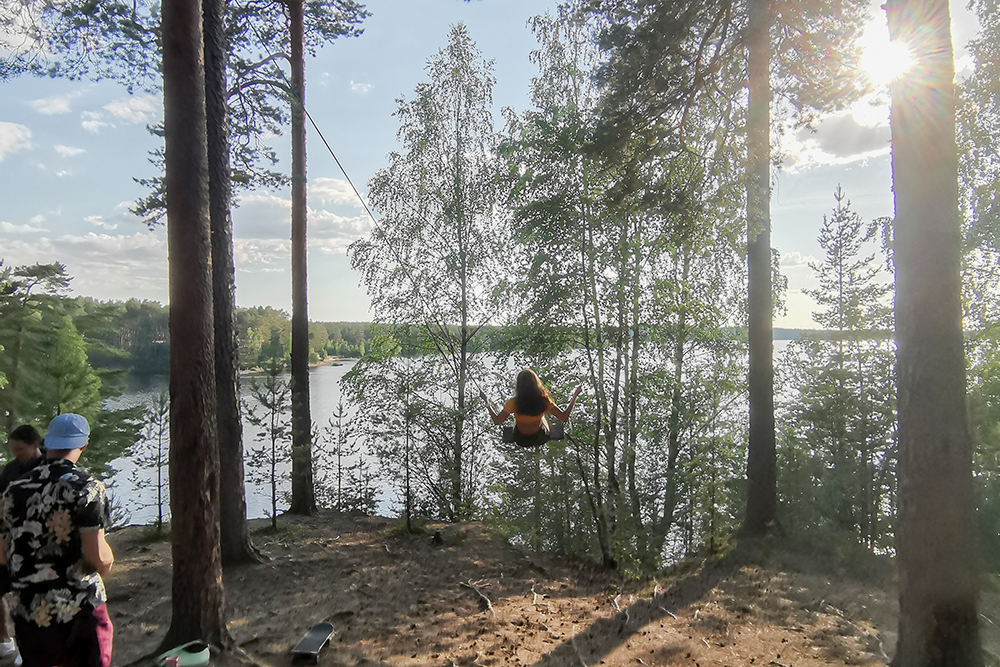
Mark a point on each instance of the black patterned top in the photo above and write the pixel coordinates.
(41, 517)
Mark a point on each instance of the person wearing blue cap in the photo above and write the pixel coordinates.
(54, 555)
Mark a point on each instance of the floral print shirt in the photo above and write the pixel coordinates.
(41, 517)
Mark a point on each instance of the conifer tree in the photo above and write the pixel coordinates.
(66, 382)
(150, 453)
(843, 414)
(269, 412)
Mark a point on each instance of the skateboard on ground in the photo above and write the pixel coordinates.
(312, 643)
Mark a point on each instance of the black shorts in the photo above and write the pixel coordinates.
(536, 439)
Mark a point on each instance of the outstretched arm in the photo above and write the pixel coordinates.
(498, 417)
(563, 415)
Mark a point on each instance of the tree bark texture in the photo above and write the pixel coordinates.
(303, 494)
(938, 573)
(235, 536)
(761, 462)
(198, 604)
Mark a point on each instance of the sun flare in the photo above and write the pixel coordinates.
(884, 61)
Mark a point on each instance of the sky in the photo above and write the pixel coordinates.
(70, 151)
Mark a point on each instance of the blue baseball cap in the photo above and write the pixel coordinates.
(68, 431)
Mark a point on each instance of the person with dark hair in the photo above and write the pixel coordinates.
(25, 446)
(54, 554)
(530, 404)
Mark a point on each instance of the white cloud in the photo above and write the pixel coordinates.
(795, 259)
(262, 255)
(361, 88)
(964, 67)
(104, 266)
(265, 215)
(101, 261)
(9, 228)
(13, 137)
(52, 105)
(333, 191)
(839, 139)
(330, 226)
(92, 121)
(330, 246)
(68, 151)
(134, 109)
(268, 198)
(37, 219)
(871, 111)
(98, 221)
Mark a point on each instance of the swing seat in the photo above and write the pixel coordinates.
(557, 431)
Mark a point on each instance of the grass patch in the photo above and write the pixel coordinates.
(278, 529)
(152, 534)
(418, 526)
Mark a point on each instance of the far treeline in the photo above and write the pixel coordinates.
(133, 335)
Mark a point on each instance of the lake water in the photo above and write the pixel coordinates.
(133, 487)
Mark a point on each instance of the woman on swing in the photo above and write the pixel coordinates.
(529, 406)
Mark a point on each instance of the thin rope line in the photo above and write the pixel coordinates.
(416, 285)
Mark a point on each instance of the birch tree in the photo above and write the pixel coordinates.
(434, 259)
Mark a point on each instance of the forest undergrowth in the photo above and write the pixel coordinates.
(467, 598)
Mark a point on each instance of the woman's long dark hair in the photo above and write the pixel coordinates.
(530, 396)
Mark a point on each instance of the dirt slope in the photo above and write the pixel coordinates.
(472, 600)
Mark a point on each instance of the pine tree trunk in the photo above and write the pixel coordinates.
(303, 494)
(761, 475)
(235, 536)
(198, 603)
(938, 590)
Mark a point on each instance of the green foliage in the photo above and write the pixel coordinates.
(48, 365)
(28, 305)
(64, 381)
(837, 462)
(259, 89)
(628, 275)
(978, 116)
(76, 40)
(404, 425)
(981, 302)
(977, 121)
(345, 480)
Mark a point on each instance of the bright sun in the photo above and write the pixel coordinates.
(884, 61)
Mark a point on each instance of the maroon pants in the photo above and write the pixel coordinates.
(83, 642)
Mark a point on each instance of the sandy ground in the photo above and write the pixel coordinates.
(470, 599)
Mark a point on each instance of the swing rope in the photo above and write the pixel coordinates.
(404, 265)
(432, 314)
